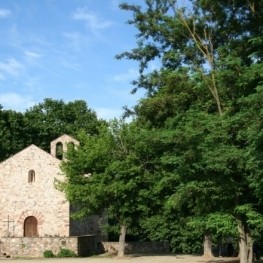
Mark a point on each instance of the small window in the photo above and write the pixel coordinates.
(31, 176)
(59, 150)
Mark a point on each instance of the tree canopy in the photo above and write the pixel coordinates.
(189, 165)
(109, 173)
(205, 99)
(43, 123)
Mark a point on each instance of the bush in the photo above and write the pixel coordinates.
(48, 254)
(66, 253)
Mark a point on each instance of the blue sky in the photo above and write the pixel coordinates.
(66, 50)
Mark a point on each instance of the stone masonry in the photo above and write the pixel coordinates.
(20, 198)
(30, 205)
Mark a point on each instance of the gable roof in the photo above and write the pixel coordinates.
(31, 149)
(64, 137)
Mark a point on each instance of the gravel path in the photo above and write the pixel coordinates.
(130, 259)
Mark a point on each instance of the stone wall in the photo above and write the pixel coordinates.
(82, 246)
(20, 198)
(34, 247)
(137, 247)
(27, 183)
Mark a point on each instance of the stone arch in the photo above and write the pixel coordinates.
(38, 215)
(63, 141)
(70, 144)
(59, 150)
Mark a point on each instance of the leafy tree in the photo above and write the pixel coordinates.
(42, 123)
(52, 118)
(201, 101)
(13, 137)
(109, 172)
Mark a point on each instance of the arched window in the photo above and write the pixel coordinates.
(31, 176)
(59, 150)
(70, 145)
(30, 227)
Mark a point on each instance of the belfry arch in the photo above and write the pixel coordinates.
(60, 145)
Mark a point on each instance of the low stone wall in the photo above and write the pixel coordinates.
(35, 246)
(82, 246)
(137, 247)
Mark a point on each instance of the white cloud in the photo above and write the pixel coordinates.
(33, 84)
(16, 101)
(132, 74)
(93, 21)
(31, 55)
(70, 65)
(10, 67)
(77, 40)
(4, 13)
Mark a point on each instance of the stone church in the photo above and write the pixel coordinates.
(30, 205)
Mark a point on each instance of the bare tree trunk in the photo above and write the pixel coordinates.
(121, 250)
(208, 246)
(204, 44)
(245, 244)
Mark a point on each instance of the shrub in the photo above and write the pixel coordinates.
(48, 254)
(66, 253)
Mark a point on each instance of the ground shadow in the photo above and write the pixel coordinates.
(220, 260)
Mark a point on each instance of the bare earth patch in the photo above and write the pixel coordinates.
(132, 259)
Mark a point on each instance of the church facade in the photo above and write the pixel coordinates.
(30, 205)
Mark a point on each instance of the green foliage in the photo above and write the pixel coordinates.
(204, 109)
(253, 217)
(63, 253)
(191, 161)
(52, 118)
(13, 135)
(43, 123)
(66, 253)
(110, 172)
(48, 254)
(182, 237)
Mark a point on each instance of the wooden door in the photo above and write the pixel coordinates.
(30, 227)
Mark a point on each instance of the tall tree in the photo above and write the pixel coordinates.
(216, 46)
(13, 136)
(43, 123)
(109, 172)
(52, 118)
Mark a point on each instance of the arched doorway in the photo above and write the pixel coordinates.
(30, 227)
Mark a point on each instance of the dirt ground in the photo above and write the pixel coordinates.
(131, 259)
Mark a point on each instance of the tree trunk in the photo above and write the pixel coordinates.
(208, 246)
(121, 250)
(245, 244)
